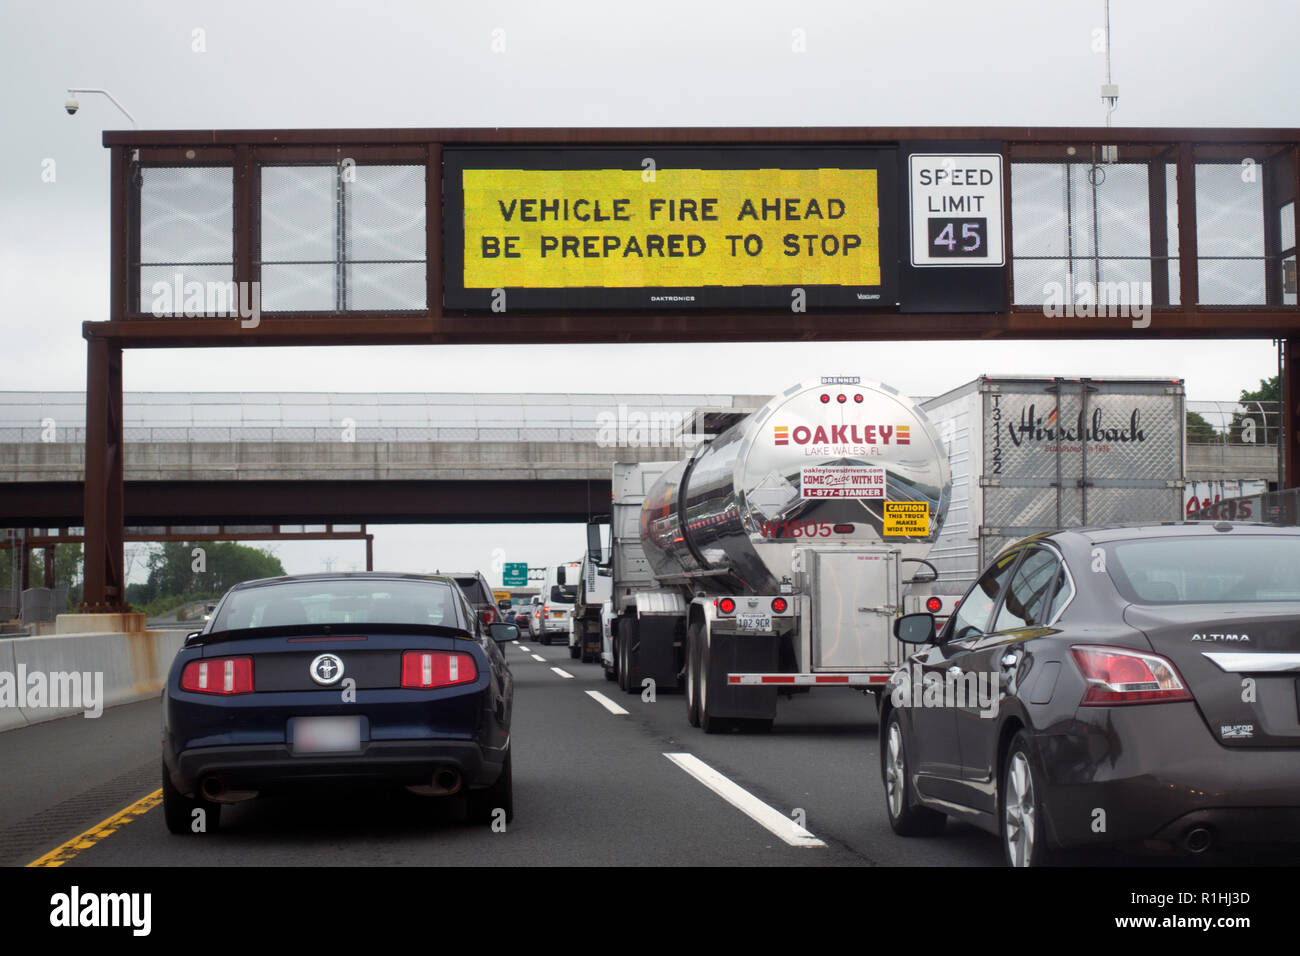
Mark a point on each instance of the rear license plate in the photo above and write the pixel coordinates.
(754, 622)
(319, 735)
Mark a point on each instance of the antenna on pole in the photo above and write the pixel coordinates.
(1109, 93)
(1109, 90)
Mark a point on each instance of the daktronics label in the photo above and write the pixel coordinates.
(842, 481)
(842, 435)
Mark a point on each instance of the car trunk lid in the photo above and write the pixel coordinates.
(1241, 663)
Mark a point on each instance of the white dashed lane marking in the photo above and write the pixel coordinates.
(740, 798)
(539, 657)
(605, 702)
(562, 673)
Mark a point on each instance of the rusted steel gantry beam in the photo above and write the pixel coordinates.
(245, 151)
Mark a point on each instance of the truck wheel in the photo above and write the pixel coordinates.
(708, 723)
(692, 675)
(178, 809)
(904, 818)
(483, 804)
(631, 674)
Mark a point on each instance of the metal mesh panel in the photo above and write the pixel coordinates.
(1234, 423)
(186, 235)
(1077, 224)
(1230, 234)
(340, 238)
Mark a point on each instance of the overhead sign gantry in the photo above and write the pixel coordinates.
(384, 237)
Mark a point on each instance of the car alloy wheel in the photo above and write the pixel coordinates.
(1023, 836)
(895, 771)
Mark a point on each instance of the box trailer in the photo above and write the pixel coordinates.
(1035, 454)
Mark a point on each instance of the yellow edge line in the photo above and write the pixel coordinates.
(100, 831)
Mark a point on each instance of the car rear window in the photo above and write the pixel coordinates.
(339, 602)
(1227, 567)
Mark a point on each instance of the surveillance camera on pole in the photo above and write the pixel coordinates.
(72, 104)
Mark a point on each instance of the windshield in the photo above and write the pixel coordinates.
(1223, 568)
(349, 601)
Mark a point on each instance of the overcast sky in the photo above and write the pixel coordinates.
(670, 63)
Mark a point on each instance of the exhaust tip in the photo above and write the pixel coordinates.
(212, 787)
(446, 781)
(1198, 839)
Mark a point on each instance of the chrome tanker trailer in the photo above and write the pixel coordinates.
(780, 552)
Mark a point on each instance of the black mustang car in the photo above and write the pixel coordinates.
(1108, 686)
(303, 681)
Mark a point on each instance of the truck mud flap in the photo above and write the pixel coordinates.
(655, 655)
(737, 654)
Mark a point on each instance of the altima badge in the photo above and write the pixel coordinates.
(326, 669)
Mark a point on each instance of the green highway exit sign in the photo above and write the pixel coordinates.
(514, 575)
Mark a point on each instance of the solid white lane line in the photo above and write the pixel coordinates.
(562, 673)
(539, 657)
(605, 702)
(740, 798)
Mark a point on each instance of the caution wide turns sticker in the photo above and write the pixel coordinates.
(909, 518)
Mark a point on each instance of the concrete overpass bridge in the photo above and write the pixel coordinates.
(195, 458)
(264, 458)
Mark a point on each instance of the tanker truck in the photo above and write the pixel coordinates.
(780, 552)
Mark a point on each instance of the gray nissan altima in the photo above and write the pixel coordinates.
(1107, 686)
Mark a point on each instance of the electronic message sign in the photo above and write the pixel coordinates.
(662, 228)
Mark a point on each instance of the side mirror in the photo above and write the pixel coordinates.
(593, 543)
(504, 633)
(504, 604)
(915, 628)
(560, 576)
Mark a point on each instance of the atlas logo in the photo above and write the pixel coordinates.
(843, 435)
(326, 669)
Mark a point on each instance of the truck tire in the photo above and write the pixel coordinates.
(178, 809)
(904, 818)
(629, 633)
(693, 675)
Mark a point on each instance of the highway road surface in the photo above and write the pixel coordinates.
(601, 778)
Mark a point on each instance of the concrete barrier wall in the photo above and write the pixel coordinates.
(134, 667)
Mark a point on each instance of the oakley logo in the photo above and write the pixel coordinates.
(326, 669)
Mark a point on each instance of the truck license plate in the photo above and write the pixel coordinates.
(754, 622)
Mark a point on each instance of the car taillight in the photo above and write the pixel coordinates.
(780, 605)
(546, 612)
(220, 675)
(726, 605)
(489, 616)
(425, 669)
(1120, 676)
(933, 605)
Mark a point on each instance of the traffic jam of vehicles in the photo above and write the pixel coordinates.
(1053, 654)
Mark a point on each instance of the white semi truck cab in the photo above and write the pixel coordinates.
(780, 553)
